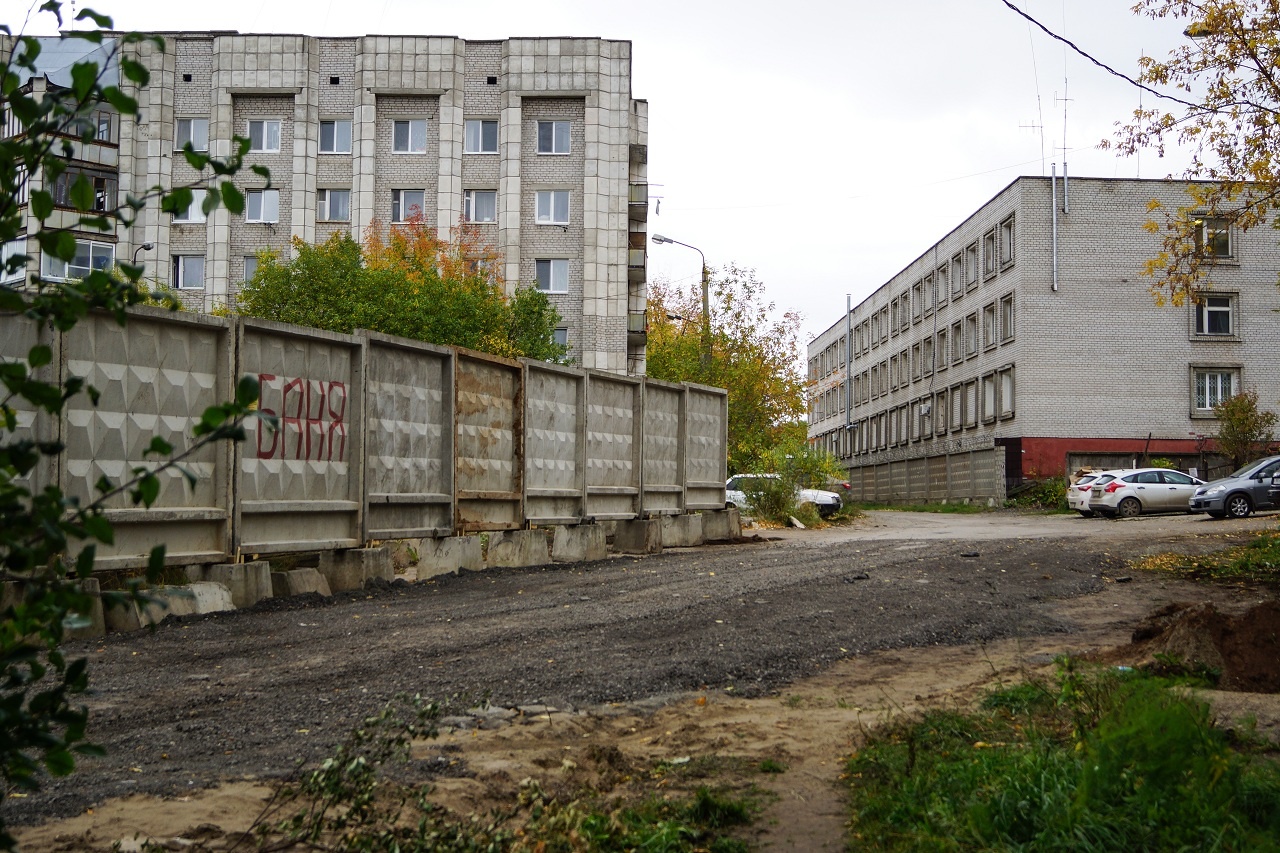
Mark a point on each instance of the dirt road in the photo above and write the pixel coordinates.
(248, 694)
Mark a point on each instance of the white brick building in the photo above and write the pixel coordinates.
(994, 338)
(536, 140)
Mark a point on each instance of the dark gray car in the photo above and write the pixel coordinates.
(1240, 493)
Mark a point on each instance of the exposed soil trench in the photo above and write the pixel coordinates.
(782, 650)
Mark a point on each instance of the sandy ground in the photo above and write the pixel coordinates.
(808, 722)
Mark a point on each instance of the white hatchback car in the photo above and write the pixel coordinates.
(1143, 490)
(736, 487)
(1079, 492)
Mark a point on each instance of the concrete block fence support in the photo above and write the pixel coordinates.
(639, 536)
(722, 524)
(578, 544)
(681, 531)
(189, 599)
(299, 582)
(249, 583)
(517, 549)
(98, 625)
(349, 569)
(446, 556)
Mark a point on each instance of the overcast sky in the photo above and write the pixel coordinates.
(824, 144)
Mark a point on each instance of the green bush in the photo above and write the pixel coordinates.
(1048, 494)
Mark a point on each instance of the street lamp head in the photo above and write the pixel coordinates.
(147, 247)
(659, 239)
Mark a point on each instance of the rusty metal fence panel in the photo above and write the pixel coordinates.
(489, 449)
(554, 418)
(614, 421)
(300, 485)
(663, 449)
(156, 376)
(706, 446)
(408, 408)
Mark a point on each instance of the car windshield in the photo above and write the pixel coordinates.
(1235, 475)
(1087, 478)
(1104, 479)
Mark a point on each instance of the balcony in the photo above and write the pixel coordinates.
(638, 202)
(637, 328)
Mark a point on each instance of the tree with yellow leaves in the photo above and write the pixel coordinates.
(1229, 118)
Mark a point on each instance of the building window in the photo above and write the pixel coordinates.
(188, 272)
(480, 206)
(971, 335)
(989, 398)
(90, 256)
(926, 355)
(195, 210)
(989, 254)
(407, 204)
(957, 342)
(1213, 237)
(553, 207)
(481, 137)
(1006, 318)
(989, 331)
(250, 267)
(18, 272)
(262, 206)
(904, 369)
(930, 294)
(193, 132)
(957, 407)
(917, 300)
(264, 135)
(943, 352)
(560, 337)
(1006, 392)
(941, 289)
(1213, 385)
(917, 363)
(1006, 242)
(1213, 315)
(333, 205)
(335, 136)
(409, 137)
(970, 404)
(84, 191)
(893, 372)
(553, 137)
(552, 275)
(971, 267)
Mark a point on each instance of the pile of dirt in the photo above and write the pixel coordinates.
(1244, 648)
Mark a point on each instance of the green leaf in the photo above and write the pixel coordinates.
(177, 201)
(82, 193)
(232, 198)
(39, 356)
(159, 446)
(41, 204)
(100, 21)
(247, 390)
(59, 761)
(99, 528)
(135, 71)
(149, 489)
(155, 564)
(84, 76)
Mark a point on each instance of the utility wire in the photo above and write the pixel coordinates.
(1100, 64)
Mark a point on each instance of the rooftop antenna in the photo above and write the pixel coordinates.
(1039, 128)
(1066, 204)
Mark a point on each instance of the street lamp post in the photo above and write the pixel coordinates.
(145, 247)
(706, 300)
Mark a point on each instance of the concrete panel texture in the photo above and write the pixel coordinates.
(350, 569)
(517, 548)
(682, 531)
(579, 544)
(638, 536)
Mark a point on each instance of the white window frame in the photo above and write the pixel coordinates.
(196, 131)
(560, 336)
(101, 256)
(324, 204)
(7, 251)
(1212, 232)
(262, 206)
(1208, 387)
(269, 134)
(195, 211)
(413, 143)
(556, 276)
(560, 141)
(337, 143)
(250, 267)
(1006, 318)
(1212, 305)
(548, 207)
(1007, 392)
(1006, 242)
(990, 325)
(474, 136)
(469, 206)
(399, 210)
(185, 268)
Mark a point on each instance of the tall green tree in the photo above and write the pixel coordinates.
(409, 283)
(42, 728)
(755, 355)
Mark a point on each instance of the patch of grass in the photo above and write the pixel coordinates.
(770, 765)
(1047, 495)
(954, 507)
(1258, 561)
(1107, 760)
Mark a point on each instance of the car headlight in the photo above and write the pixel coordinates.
(1213, 490)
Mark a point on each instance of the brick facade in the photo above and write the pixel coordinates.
(1045, 368)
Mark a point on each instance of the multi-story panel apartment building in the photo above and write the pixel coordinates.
(1028, 328)
(536, 142)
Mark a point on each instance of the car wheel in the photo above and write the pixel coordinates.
(1085, 513)
(1129, 508)
(1238, 506)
